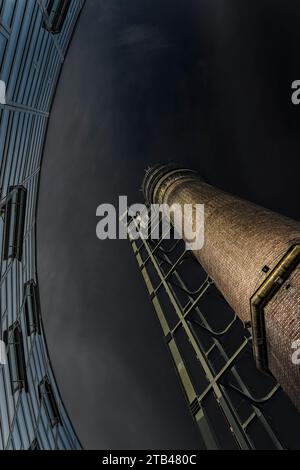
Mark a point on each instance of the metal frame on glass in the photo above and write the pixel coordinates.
(32, 415)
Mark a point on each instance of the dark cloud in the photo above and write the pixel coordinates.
(203, 82)
(141, 39)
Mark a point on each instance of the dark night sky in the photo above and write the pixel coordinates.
(203, 82)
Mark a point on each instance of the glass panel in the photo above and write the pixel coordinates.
(3, 42)
(8, 11)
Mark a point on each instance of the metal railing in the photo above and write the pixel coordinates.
(234, 405)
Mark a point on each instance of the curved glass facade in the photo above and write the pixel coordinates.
(34, 36)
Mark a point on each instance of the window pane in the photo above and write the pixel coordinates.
(8, 11)
(2, 48)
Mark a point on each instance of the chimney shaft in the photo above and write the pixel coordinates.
(252, 254)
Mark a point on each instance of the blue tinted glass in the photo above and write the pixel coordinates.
(7, 12)
(3, 41)
(30, 415)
